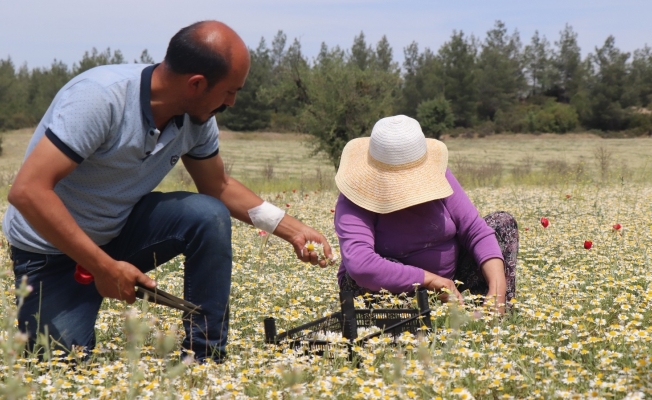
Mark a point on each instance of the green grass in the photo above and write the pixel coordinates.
(511, 149)
(270, 162)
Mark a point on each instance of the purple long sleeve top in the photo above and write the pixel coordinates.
(426, 236)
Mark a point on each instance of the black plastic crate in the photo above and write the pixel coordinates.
(389, 321)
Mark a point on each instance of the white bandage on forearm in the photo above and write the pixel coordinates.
(266, 216)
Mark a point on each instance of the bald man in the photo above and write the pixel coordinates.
(84, 192)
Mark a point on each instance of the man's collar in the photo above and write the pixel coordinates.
(146, 98)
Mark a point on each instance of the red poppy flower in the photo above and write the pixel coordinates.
(332, 210)
(617, 227)
(568, 196)
(545, 222)
(294, 190)
(287, 205)
(588, 244)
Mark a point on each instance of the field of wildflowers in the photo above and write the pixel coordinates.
(581, 326)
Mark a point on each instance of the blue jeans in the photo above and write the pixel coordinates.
(160, 227)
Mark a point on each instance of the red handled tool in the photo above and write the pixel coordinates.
(82, 276)
(156, 296)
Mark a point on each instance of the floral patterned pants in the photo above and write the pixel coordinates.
(467, 270)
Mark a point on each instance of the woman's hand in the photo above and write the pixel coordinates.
(438, 283)
(494, 273)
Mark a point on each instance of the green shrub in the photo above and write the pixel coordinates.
(564, 117)
(641, 123)
(435, 116)
(343, 102)
(283, 122)
(513, 120)
(548, 117)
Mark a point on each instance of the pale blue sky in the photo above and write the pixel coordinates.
(38, 31)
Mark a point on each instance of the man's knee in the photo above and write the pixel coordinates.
(206, 211)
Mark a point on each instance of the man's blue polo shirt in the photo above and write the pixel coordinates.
(102, 119)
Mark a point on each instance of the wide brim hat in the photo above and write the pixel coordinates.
(395, 168)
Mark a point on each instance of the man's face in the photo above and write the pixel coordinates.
(217, 98)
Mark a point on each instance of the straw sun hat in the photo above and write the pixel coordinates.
(395, 168)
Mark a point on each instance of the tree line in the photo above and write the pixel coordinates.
(490, 85)
(26, 94)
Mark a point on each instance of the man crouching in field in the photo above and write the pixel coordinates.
(84, 193)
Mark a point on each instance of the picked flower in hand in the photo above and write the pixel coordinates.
(319, 249)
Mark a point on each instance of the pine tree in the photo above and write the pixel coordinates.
(538, 64)
(568, 70)
(252, 111)
(277, 53)
(96, 58)
(12, 97)
(421, 79)
(500, 73)
(383, 57)
(458, 67)
(44, 84)
(608, 87)
(640, 77)
(145, 58)
(361, 55)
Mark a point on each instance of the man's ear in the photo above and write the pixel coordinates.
(196, 85)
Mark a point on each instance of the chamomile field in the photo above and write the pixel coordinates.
(580, 326)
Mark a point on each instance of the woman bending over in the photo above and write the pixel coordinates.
(403, 219)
